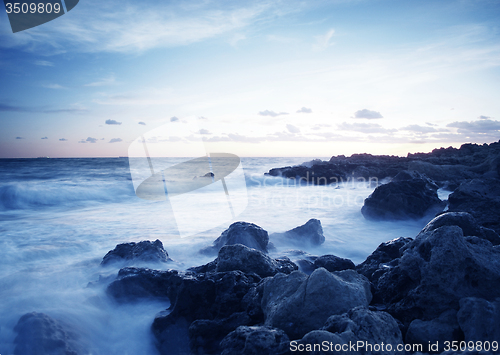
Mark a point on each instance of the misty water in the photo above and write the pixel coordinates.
(59, 217)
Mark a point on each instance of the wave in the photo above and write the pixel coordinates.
(32, 195)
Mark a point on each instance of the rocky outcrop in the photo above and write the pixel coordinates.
(299, 304)
(310, 233)
(480, 198)
(248, 234)
(256, 340)
(479, 319)
(333, 263)
(38, 333)
(402, 200)
(129, 253)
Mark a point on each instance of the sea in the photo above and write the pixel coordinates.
(59, 217)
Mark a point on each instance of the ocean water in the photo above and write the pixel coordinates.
(59, 217)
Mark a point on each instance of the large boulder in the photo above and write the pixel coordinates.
(310, 233)
(436, 270)
(256, 340)
(38, 333)
(479, 319)
(299, 304)
(144, 251)
(480, 198)
(403, 199)
(248, 234)
(248, 260)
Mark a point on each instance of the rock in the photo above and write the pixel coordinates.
(256, 340)
(144, 251)
(382, 259)
(211, 296)
(369, 327)
(439, 330)
(402, 200)
(436, 270)
(309, 233)
(479, 319)
(244, 233)
(38, 333)
(480, 198)
(240, 257)
(333, 263)
(298, 304)
(465, 221)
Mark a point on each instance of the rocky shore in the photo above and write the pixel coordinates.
(418, 295)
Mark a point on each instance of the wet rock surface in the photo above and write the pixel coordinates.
(144, 251)
(310, 233)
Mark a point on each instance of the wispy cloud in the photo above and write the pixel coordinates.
(292, 129)
(115, 140)
(272, 113)
(89, 139)
(44, 63)
(305, 110)
(19, 137)
(142, 123)
(323, 42)
(103, 82)
(54, 86)
(63, 140)
(174, 119)
(482, 126)
(364, 128)
(45, 138)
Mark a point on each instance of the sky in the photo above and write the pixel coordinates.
(258, 78)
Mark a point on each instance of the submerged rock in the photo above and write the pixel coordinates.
(299, 304)
(38, 333)
(144, 251)
(402, 200)
(309, 233)
(248, 234)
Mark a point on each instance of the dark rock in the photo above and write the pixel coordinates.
(465, 221)
(380, 260)
(436, 270)
(402, 200)
(441, 329)
(333, 263)
(144, 251)
(210, 296)
(37, 333)
(299, 304)
(480, 198)
(310, 233)
(479, 319)
(248, 260)
(256, 340)
(244, 233)
(370, 327)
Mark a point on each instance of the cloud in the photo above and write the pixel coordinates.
(174, 119)
(91, 140)
(110, 122)
(44, 63)
(272, 113)
(484, 117)
(142, 123)
(323, 42)
(419, 129)
(319, 126)
(53, 86)
(204, 131)
(482, 126)
(115, 140)
(10, 108)
(19, 137)
(305, 110)
(63, 140)
(292, 128)
(430, 124)
(103, 82)
(364, 128)
(368, 114)
(45, 138)
(114, 26)
(66, 110)
(236, 38)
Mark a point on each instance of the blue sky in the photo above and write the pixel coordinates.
(261, 78)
